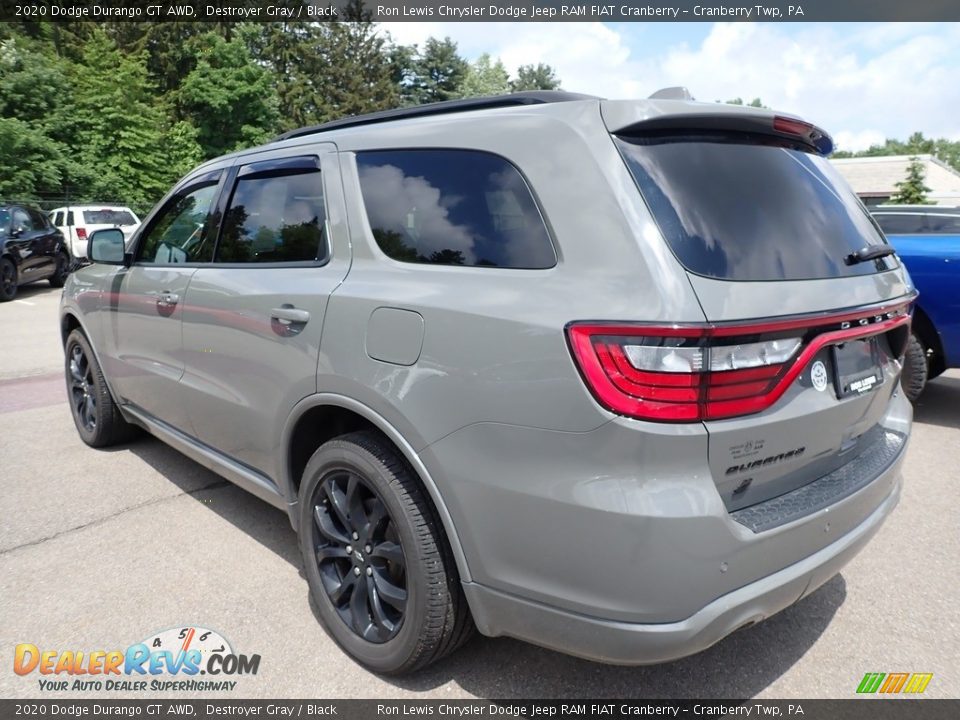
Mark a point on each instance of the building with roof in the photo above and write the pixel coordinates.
(874, 179)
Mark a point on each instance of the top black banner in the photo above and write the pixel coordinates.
(479, 11)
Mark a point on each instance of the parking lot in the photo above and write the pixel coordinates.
(101, 549)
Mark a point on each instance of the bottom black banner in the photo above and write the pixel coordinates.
(854, 709)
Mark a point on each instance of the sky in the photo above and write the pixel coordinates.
(861, 82)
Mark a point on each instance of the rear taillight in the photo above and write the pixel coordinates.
(82, 233)
(708, 372)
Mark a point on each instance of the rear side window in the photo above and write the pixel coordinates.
(453, 207)
(738, 208)
(70, 218)
(58, 219)
(109, 217)
(275, 218)
(900, 224)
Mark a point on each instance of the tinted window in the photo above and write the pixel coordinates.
(4, 221)
(893, 224)
(70, 218)
(739, 209)
(944, 224)
(109, 217)
(38, 218)
(453, 207)
(21, 220)
(181, 233)
(58, 219)
(277, 218)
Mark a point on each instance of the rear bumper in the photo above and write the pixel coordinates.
(623, 643)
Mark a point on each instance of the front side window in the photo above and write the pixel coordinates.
(181, 233)
(944, 224)
(737, 207)
(39, 220)
(453, 207)
(275, 218)
(21, 221)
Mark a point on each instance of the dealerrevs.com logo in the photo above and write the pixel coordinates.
(171, 660)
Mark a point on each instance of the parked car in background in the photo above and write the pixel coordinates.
(927, 239)
(31, 249)
(619, 400)
(78, 222)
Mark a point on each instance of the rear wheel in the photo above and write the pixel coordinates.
(96, 416)
(914, 376)
(59, 276)
(376, 559)
(8, 280)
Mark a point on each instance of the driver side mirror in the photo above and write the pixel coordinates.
(106, 247)
(17, 231)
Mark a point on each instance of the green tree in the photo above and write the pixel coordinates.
(227, 96)
(756, 102)
(433, 74)
(912, 190)
(120, 133)
(535, 77)
(485, 77)
(32, 162)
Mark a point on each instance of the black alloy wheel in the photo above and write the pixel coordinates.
(83, 394)
(8, 280)
(359, 556)
(382, 576)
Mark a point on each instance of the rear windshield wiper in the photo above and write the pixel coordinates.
(870, 252)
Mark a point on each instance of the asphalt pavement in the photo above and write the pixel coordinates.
(101, 549)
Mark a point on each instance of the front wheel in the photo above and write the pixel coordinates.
(913, 378)
(8, 280)
(95, 414)
(376, 558)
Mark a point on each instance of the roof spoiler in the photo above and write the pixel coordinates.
(725, 118)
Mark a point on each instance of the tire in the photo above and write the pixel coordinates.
(411, 611)
(95, 414)
(913, 378)
(59, 276)
(8, 280)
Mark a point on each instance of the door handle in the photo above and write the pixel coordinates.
(168, 299)
(287, 314)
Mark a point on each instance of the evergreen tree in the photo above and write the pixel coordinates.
(535, 77)
(485, 77)
(912, 190)
(227, 96)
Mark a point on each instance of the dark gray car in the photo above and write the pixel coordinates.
(613, 377)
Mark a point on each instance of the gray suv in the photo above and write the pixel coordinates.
(613, 377)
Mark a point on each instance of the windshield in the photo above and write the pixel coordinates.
(4, 222)
(109, 217)
(737, 208)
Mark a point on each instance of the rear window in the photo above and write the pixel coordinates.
(894, 224)
(453, 207)
(739, 208)
(109, 217)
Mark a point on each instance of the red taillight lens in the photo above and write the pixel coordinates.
(82, 233)
(791, 126)
(708, 372)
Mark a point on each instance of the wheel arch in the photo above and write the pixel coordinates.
(323, 416)
(926, 331)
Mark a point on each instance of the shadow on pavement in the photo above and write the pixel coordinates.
(940, 403)
(740, 666)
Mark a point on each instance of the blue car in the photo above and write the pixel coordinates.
(927, 239)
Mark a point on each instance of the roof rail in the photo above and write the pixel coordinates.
(535, 97)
